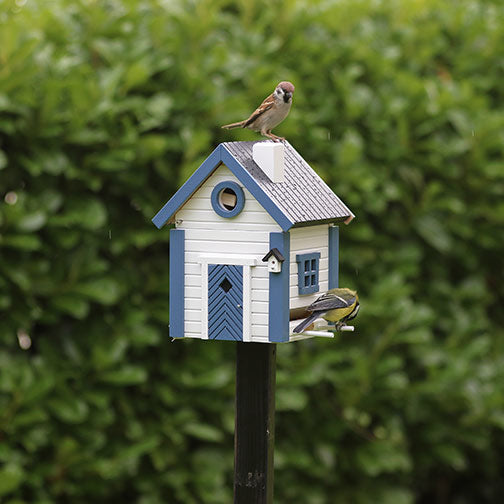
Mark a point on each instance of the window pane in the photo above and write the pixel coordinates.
(308, 272)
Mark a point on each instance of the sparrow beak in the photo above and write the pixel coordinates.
(287, 96)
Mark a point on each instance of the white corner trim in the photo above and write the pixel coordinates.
(235, 259)
(247, 303)
(204, 301)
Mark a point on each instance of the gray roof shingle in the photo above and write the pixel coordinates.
(303, 197)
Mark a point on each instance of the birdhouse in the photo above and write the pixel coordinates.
(274, 258)
(255, 241)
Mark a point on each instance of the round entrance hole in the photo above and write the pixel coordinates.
(228, 199)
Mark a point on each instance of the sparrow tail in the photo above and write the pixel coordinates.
(301, 327)
(234, 125)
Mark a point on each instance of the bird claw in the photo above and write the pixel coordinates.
(275, 138)
(338, 326)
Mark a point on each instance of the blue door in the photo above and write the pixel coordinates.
(225, 300)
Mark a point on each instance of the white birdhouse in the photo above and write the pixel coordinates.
(274, 258)
(254, 241)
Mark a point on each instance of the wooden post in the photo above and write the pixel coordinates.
(254, 423)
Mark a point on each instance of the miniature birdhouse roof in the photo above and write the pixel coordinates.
(274, 252)
(303, 198)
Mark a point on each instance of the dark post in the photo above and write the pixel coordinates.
(254, 423)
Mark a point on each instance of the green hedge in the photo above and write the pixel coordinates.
(107, 107)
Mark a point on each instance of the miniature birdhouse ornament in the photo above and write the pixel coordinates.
(274, 258)
(255, 241)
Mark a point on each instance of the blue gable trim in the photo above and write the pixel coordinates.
(278, 317)
(177, 290)
(333, 257)
(220, 154)
(186, 191)
(248, 181)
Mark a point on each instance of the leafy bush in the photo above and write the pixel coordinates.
(107, 107)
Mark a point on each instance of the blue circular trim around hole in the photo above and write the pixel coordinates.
(240, 199)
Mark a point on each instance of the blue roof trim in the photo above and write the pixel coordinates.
(255, 189)
(220, 154)
(187, 190)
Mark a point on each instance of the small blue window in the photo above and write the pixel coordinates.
(308, 272)
(228, 199)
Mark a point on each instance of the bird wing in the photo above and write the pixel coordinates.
(265, 105)
(353, 313)
(306, 322)
(330, 301)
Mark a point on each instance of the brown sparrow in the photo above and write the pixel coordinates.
(272, 111)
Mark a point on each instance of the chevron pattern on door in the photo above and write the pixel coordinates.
(225, 300)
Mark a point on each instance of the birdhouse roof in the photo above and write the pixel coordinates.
(274, 252)
(303, 198)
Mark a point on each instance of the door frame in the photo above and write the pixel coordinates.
(247, 262)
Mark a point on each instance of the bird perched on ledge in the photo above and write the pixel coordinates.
(336, 305)
(272, 111)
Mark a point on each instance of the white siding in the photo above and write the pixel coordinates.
(303, 241)
(206, 232)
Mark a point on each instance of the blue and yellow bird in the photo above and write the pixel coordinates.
(336, 305)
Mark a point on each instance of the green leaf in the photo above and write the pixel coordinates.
(153, 146)
(136, 74)
(40, 389)
(110, 352)
(127, 375)
(88, 213)
(433, 232)
(3, 160)
(11, 477)
(453, 455)
(143, 335)
(32, 222)
(69, 409)
(382, 457)
(22, 242)
(32, 416)
(290, 399)
(395, 496)
(71, 304)
(102, 290)
(204, 432)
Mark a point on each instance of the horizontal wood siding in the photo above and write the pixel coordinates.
(207, 232)
(304, 241)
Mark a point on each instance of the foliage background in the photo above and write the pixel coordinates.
(106, 107)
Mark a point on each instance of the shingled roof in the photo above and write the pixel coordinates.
(303, 198)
